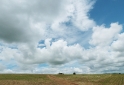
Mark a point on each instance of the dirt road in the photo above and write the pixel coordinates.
(60, 81)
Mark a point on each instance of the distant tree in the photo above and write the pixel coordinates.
(61, 73)
(74, 73)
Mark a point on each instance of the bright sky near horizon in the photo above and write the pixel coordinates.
(52, 36)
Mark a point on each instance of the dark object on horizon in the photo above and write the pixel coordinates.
(74, 73)
(113, 73)
(116, 73)
(61, 73)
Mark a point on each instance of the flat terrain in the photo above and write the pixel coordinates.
(80, 79)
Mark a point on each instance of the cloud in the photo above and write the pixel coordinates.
(81, 16)
(58, 34)
(24, 22)
(78, 17)
(118, 44)
(7, 53)
(2, 67)
(19, 19)
(60, 70)
(106, 52)
(57, 53)
(105, 36)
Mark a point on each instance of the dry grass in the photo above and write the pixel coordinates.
(25, 79)
(40, 79)
(95, 79)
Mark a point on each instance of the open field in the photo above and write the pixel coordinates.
(80, 79)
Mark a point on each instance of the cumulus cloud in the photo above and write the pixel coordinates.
(59, 34)
(2, 67)
(118, 44)
(105, 36)
(56, 53)
(81, 16)
(19, 19)
(7, 53)
(104, 51)
(76, 13)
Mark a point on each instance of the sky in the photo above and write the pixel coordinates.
(52, 36)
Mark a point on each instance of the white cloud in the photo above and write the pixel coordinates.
(25, 18)
(106, 51)
(78, 70)
(64, 28)
(2, 67)
(119, 43)
(6, 53)
(105, 36)
(76, 12)
(58, 53)
(56, 70)
(81, 17)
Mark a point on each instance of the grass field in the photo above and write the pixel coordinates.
(80, 79)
